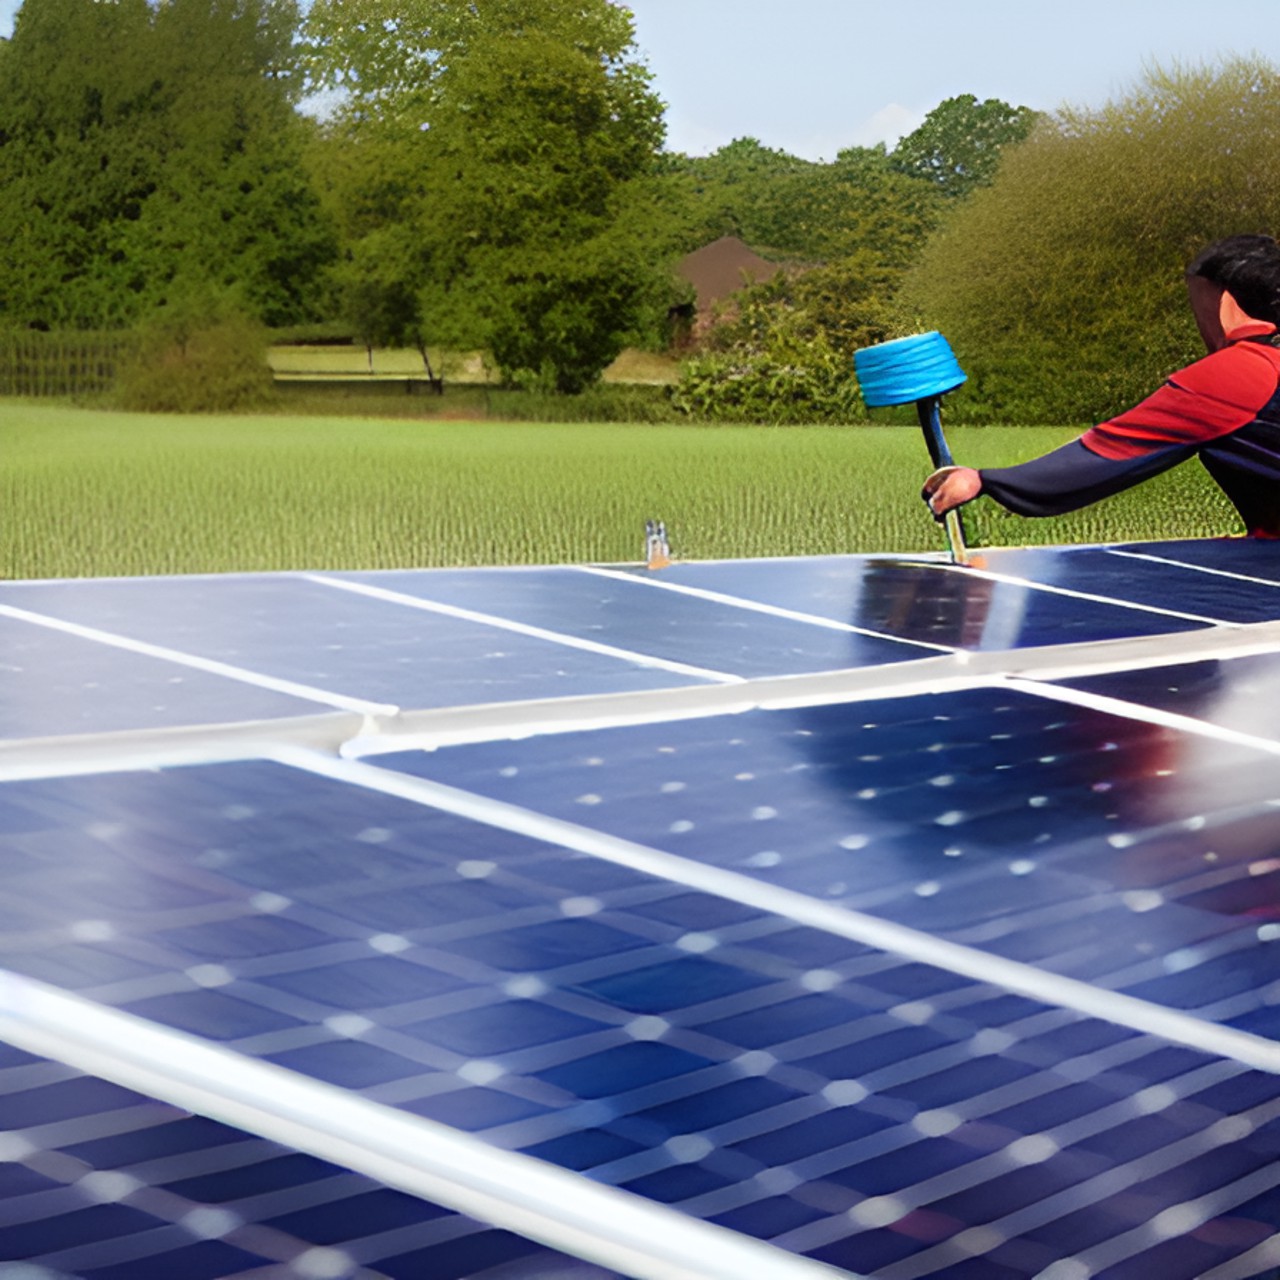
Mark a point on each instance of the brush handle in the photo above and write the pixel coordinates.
(929, 411)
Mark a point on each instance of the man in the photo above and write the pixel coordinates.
(1224, 407)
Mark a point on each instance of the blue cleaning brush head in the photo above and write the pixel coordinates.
(907, 370)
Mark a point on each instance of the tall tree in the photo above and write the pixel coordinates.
(722, 194)
(860, 203)
(151, 150)
(959, 144)
(857, 205)
(523, 135)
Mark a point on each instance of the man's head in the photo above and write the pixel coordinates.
(1247, 270)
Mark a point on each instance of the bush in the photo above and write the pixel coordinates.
(768, 366)
(1060, 286)
(204, 359)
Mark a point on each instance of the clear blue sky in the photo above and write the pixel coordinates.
(812, 76)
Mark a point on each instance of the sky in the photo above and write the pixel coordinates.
(813, 76)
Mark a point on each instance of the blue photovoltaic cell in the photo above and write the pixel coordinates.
(99, 1183)
(839, 1102)
(832, 1099)
(930, 603)
(1145, 582)
(56, 684)
(294, 629)
(1048, 833)
(1249, 557)
(1241, 694)
(637, 614)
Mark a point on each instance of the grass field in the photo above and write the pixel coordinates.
(89, 493)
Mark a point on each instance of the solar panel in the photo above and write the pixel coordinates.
(100, 1181)
(857, 916)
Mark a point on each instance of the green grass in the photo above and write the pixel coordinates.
(87, 493)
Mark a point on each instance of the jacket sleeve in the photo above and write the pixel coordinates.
(1208, 399)
(1203, 402)
(1073, 476)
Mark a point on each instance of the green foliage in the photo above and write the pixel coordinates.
(787, 355)
(146, 149)
(109, 493)
(721, 194)
(370, 189)
(560, 316)
(858, 204)
(391, 59)
(769, 366)
(1060, 286)
(960, 143)
(855, 225)
(780, 204)
(61, 364)
(518, 140)
(850, 302)
(199, 355)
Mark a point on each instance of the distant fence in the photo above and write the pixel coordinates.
(61, 364)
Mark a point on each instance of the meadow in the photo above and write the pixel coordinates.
(96, 493)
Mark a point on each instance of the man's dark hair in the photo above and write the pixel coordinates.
(1248, 268)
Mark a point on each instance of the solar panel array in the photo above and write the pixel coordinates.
(833, 916)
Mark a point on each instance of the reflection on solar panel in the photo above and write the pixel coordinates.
(839, 916)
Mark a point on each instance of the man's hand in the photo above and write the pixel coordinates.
(950, 487)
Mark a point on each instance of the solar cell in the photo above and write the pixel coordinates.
(1233, 693)
(1246, 558)
(620, 609)
(1152, 581)
(103, 1183)
(850, 916)
(336, 646)
(1016, 602)
(60, 684)
(616, 1026)
(1000, 819)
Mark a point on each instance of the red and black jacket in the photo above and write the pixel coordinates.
(1225, 408)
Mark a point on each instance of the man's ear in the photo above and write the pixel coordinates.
(1233, 316)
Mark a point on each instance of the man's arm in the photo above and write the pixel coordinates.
(1206, 400)
(1067, 478)
(1072, 477)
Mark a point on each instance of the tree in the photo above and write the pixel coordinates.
(959, 145)
(1060, 286)
(390, 59)
(234, 206)
(858, 204)
(533, 135)
(801, 209)
(368, 189)
(145, 151)
(69, 73)
(722, 194)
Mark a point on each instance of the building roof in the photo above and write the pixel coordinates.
(723, 267)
